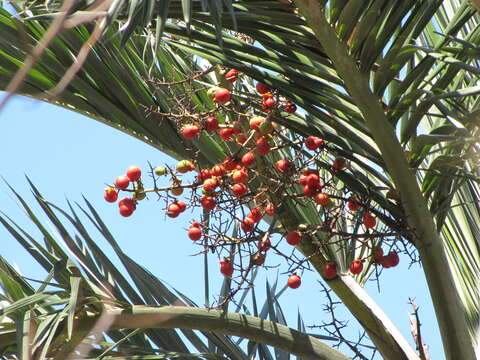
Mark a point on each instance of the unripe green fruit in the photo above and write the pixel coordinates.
(160, 171)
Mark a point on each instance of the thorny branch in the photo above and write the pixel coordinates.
(415, 324)
(334, 329)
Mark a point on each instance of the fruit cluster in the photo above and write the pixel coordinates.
(266, 168)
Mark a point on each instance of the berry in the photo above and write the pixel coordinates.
(294, 237)
(377, 255)
(356, 266)
(128, 202)
(239, 189)
(196, 224)
(181, 204)
(268, 103)
(210, 184)
(262, 146)
(294, 281)
(391, 260)
(110, 195)
(310, 191)
(330, 270)
(160, 171)
(285, 166)
(231, 75)
(230, 164)
(262, 88)
(313, 180)
(270, 209)
(353, 204)
(226, 134)
(255, 214)
(240, 176)
(247, 224)
(211, 123)
(218, 170)
(313, 142)
(369, 220)
(176, 190)
(126, 211)
(122, 182)
(256, 122)
(248, 159)
(258, 259)
(226, 267)
(208, 202)
(190, 131)
(339, 163)
(194, 233)
(322, 199)
(204, 175)
(173, 210)
(290, 107)
(185, 166)
(134, 173)
(222, 96)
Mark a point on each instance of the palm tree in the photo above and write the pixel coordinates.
(392, 86)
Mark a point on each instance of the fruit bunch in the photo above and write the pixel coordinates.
(245, 193)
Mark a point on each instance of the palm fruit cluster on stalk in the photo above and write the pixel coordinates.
(243, 196)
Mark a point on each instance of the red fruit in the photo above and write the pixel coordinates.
(222, 96)
(322, 199)
(310, 191)
(196, 224)
(264, 245)
(369, 220)
(356, 266)
(339, 163)
(377, 255)
(110, 195)
(239, 189)
(247, 224)
(313, 142)
(211, 123)
(128, 202)
(262, 88)
(285, 166)
(210, 184)
(256, 122)
(262, 146)
(185, 166)
(208, 202)
(173, 210)
(294, 281)
(181, 204)
(230, 164)
(226, 267)
(218, 170)
(126, 211)
(353, 204)
(134, 173)
(270, 209)
(240, 176)
(226, 133)
(294, 237)
(190, 131)
(330, 271)
(391, 260)
(290, 107)
(122, 182)
(255, 214)
(268, 103)
(313, 180)
(248, 159)
(194, 233)
(231, 75)
(204, 175)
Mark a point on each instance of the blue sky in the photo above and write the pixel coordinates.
(67, 155)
